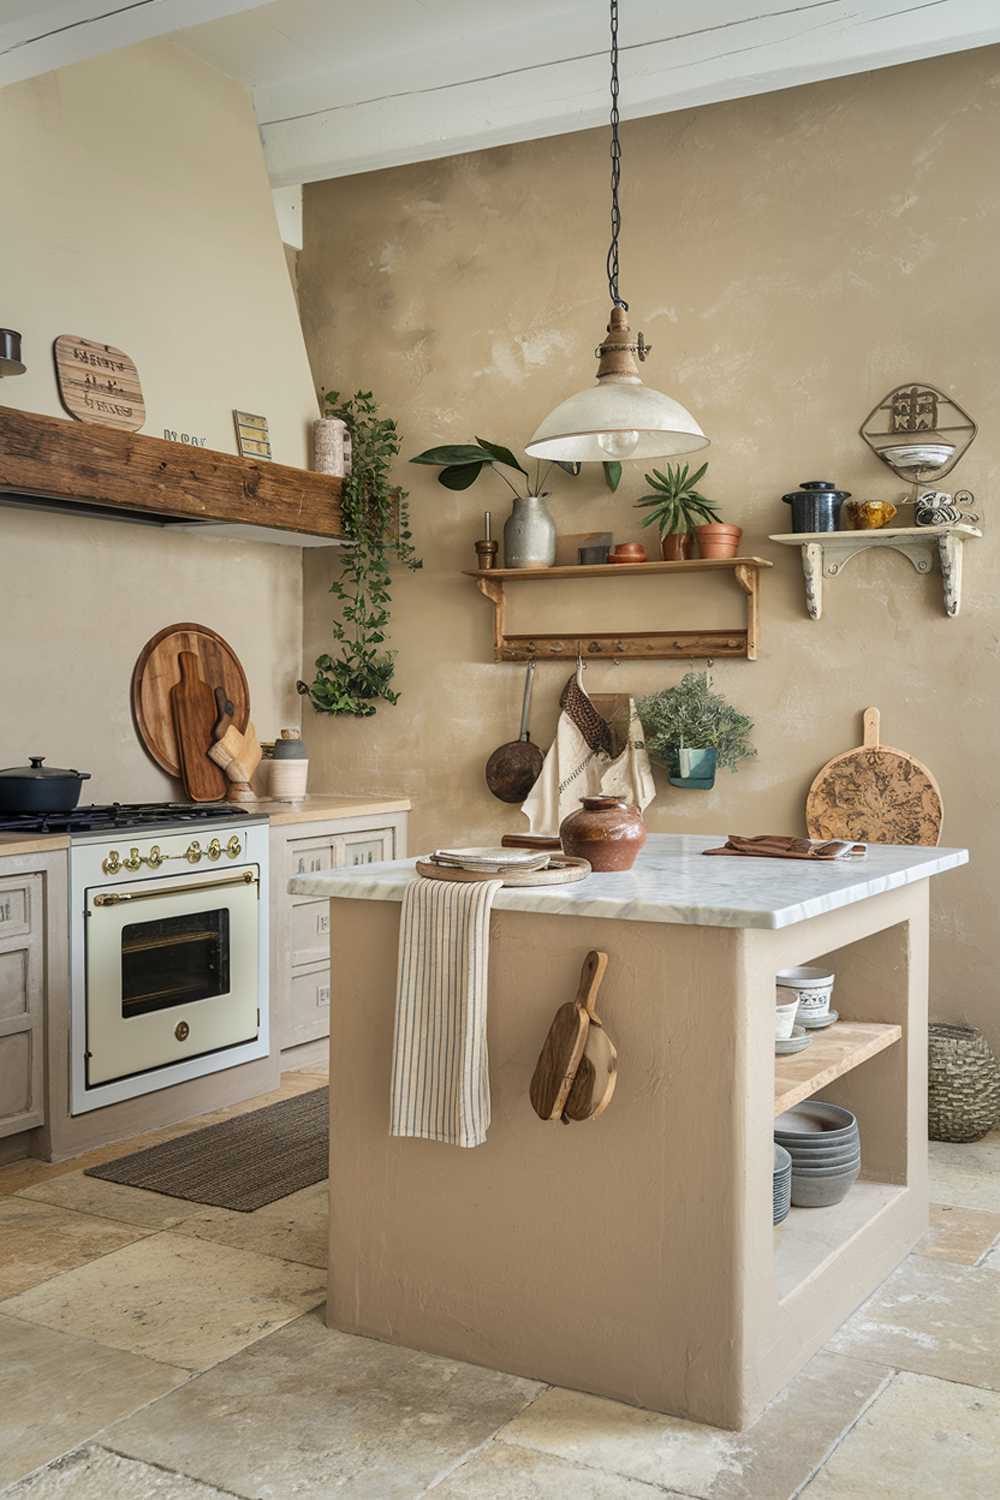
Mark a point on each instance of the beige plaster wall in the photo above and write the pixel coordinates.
(791, 257)
(138, 213)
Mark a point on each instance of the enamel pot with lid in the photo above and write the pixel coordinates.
(38, 788)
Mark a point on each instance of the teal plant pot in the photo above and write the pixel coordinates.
(692, 770)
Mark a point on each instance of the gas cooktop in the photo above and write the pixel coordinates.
(121, 816)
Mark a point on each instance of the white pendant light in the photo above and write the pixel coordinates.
(619, 417)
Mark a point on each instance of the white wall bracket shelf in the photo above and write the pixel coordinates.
(826, 553)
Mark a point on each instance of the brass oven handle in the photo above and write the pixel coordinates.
(115, 898)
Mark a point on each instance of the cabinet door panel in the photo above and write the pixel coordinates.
(310, 932)
(309, 1008)
(368, 847)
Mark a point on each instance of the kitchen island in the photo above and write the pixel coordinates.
(634, 1256)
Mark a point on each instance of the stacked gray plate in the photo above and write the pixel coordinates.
(824, 1145)
(781, 1185)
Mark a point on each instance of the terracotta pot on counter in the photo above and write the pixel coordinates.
(676, 546)
(718, 539)
(606, 831)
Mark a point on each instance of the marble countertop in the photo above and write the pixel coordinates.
(672, 882)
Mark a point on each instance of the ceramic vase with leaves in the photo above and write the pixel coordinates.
(529, 534)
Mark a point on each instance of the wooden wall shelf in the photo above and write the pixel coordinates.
(831, 1053)
(51, 463)
(825, 553)
(625, 645)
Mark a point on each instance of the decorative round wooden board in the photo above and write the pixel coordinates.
(876, 795)
(158, 670)
(563, 869)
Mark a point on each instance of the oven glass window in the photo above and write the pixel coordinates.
(174, 960)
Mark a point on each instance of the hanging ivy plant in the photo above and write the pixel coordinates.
(358, 674)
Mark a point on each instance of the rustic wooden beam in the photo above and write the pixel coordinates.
(91, 466)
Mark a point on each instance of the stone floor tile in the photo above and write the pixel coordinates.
(182, 1301)
(921, 1438)
(58, 1390)
(932, 1318)
(292, 1228)
(768, 1461)
(503, 1472)
(96, 1474)
(111, 1200)
(312, 1412)
(961, 1235)
(968, 1175)
(38, 1241)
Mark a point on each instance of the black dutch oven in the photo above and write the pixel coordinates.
(39, 788)
(816, 505)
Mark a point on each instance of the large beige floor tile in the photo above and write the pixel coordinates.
(57, 1390)
(293, 1228)
(182, 1301)
(95, 1474)
(961, 1235)
(922, 1438)
(502, 1472)
(767, 1462)
(111, 1200)
(313, 1413)
(967, 1175)
(933, 1318)
(38, 1241)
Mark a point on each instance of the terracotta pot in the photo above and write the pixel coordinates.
(606, 831)
(628, 552)
(676, 546)
(718, 539)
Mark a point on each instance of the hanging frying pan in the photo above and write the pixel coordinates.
(513, 769)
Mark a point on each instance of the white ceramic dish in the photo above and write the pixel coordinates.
(797, 1042)
(784, 1018)
(819, 1022)
(814, 1119)
(514, 858)
(813, 986)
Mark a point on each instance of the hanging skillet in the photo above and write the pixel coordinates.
(513, 769)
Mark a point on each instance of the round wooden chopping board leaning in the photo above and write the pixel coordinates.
(876, 795)
(158, 671)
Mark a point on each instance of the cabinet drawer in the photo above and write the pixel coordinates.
(309, 856)
(15, 999)
(310, 932)
(16, 906)
(309, 1005)
(367, 847)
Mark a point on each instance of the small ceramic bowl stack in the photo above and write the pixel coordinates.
(813, 989)
(781, 1185)
(824, 1145)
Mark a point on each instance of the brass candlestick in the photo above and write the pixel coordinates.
(486, 550)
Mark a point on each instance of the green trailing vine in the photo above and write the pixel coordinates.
(358, 674)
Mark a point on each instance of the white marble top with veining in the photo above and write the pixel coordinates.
(672, 882)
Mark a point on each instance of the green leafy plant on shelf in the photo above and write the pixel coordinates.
(675, 504)
(692, 715)
(462, 463)
(354, 678)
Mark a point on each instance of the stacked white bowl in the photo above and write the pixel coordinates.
(813, 989)
(824, 1144)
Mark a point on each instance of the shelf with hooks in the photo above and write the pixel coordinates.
(626, 645)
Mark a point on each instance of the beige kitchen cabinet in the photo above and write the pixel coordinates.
(318, 834)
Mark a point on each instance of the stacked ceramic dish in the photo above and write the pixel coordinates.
(917, 455)
(491, 861)
(813, 989)
(781, 1185)
(824, 1145)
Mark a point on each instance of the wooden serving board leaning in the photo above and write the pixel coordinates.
(157, 672)
(876, 795)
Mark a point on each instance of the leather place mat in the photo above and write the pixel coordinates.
(241, 1163)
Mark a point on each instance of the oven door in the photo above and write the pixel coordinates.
(172, 971)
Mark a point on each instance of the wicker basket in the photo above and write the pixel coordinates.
(963, 1084)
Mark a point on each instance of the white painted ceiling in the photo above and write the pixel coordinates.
(341, 86)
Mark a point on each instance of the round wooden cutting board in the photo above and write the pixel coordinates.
(876, 795)
(158, 670)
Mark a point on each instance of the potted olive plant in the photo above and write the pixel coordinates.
(680, 512)
(690, 731)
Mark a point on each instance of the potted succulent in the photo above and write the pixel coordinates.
(529, 534)
(679, 512)
(691, 731)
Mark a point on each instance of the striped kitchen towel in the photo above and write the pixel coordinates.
(440, 1065)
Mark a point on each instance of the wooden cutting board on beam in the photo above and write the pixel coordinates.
(875, 794)
(196, 713)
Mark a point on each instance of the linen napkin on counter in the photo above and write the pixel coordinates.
(781, 846)
(440, 1087)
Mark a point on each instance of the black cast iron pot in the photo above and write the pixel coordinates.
(39, 788)
(816, 505)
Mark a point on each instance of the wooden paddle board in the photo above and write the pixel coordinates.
(157, 671)
(195, 715)
(564, 1045)
(875, 794)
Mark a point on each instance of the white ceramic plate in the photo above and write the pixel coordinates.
(793, 1043)
(819, 1023)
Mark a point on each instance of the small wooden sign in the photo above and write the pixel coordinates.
(251, 435)
(98, 383)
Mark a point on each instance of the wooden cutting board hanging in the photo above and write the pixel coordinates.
(195, 713)
(875, 794)
(157, 671)
(576, 1072)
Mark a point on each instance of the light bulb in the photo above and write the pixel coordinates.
(619, 444)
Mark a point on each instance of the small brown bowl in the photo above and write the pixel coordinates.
(628, 552)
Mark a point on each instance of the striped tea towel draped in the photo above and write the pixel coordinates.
(440, 1066)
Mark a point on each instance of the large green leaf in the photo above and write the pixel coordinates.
(502, 455)
(454, 453)
(459, 476)
(568, 468)
(612, 475)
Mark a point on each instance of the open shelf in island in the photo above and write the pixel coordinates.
(811, 1238)
(830, 1054)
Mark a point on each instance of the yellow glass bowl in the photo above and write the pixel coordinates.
(870, 515)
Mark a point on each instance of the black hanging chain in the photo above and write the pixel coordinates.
(616, 168)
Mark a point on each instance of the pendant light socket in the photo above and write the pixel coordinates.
(617, 355)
